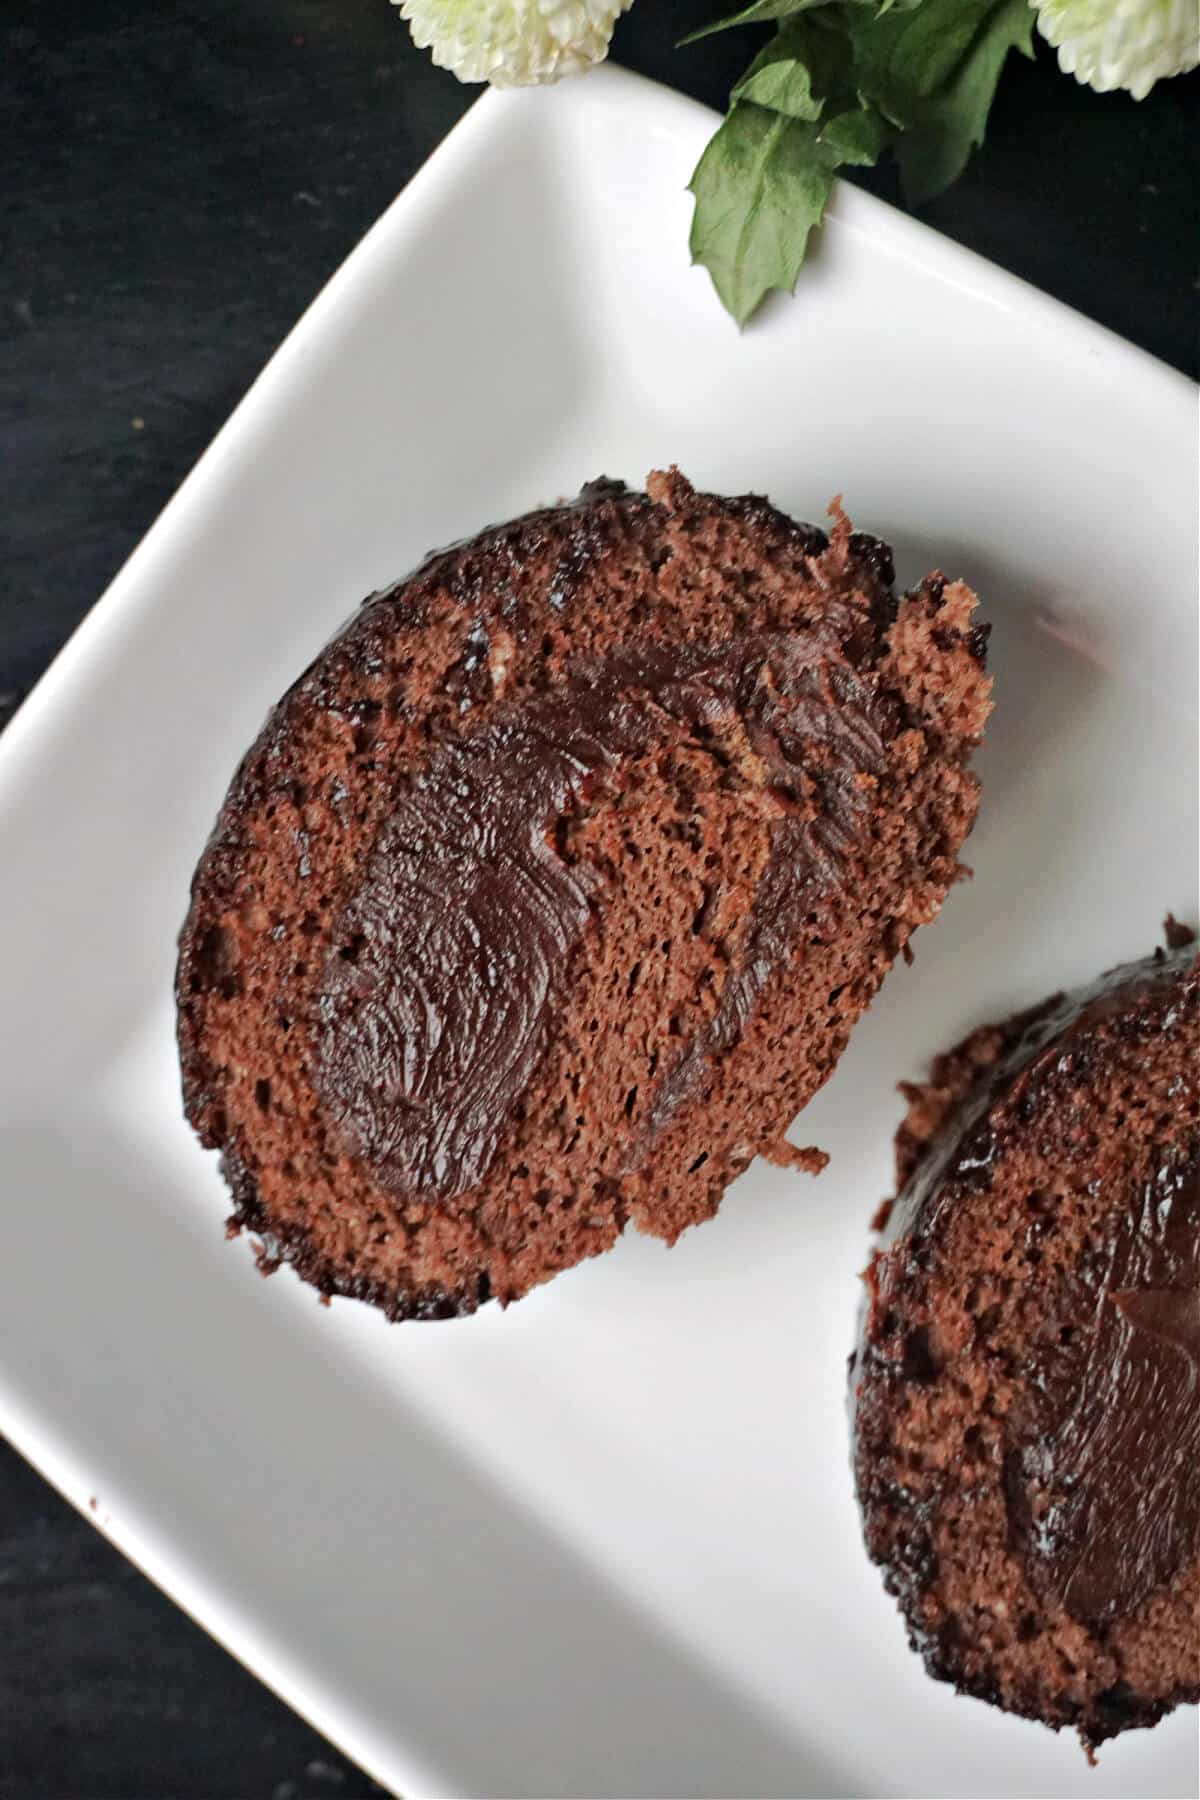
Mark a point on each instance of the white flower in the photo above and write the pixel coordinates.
(1122, 43)
(513, 43)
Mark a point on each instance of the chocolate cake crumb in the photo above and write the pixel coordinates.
(1027, 1382)
(551, 891)
(809, 1159)
(1177, 936)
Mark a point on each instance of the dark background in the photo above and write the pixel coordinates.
(179, 180)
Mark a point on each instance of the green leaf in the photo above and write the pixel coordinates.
(840, 81)
(797, 71)
(904, 60)
(873, 40)
(933, 42)
(759, 12)
(856, 137)
(948, 125)
(760, 187)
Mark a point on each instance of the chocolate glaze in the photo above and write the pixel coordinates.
(603, 487)
(1103, 1476)
(1134, 999)
(436, 1005)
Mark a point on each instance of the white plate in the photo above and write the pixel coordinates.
(604, 1544)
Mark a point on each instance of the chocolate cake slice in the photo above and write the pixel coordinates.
(550, 893)
(1027, 1383)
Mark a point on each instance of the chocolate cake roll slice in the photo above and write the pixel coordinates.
(550, 893)
(1027, 1382)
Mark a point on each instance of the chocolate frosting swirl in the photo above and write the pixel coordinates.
(436, 1005)
(1104, 1478)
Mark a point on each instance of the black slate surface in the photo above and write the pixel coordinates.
(179, 181)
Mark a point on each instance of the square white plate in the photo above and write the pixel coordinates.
(604, 1544)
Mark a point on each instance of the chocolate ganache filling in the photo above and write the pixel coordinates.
(453, 956)
(1104, 1476)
